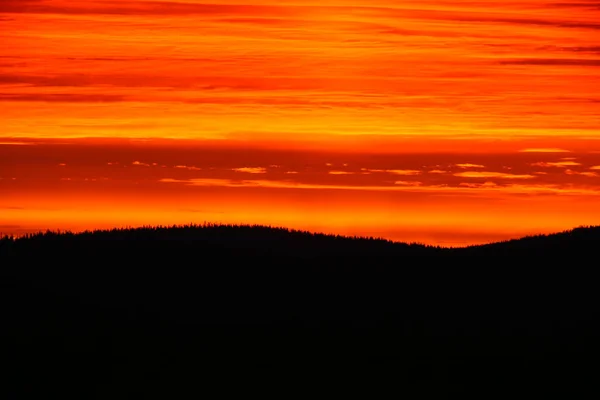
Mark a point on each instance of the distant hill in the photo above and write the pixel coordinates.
(259, 236)
(216, 301)
(582, 238)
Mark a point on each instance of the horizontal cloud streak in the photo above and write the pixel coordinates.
(61, 97)
(154, 8)
(468, 165)
(559, 164)
(251, 170)
(553, 61)
(400, 186)
(500, 175)
(545, 150)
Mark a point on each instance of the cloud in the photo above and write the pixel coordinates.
(595, 168)
(16, 143)
(559, 164)
(63, 80)
(545, 150)
(482, 174)
(263, 13)
(583, 173)
(288, 184)
(62, 97)
(406, 172)
(486, 184)
(251, 170)
(263, 183)
(408, 183)
(437, 171)
(191, 168)
(17, 5)
(62, 165)
(141, 8)
(478, 17)
(553, 61)
(575, 49)
(406, 186)
(340, 173)
(467, 165)
(591, 5)
(140, 164)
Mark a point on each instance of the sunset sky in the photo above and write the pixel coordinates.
(439, 121)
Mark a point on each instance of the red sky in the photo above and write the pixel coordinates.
(446, 122)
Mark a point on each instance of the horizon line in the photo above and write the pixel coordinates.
(205, 225)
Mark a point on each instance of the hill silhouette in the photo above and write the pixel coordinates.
(158, 312)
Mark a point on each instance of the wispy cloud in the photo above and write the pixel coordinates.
(545, 150)
(408, 183)
(190, 168)
(468, 165)
(15, 143)
(501, 175)
(251, 170)
(60, 97)
(558, 164)
(134, 8)
(406, 172)
(399, 186)
(484, 185)
(555, 61)
(589, 174)
(263, 183)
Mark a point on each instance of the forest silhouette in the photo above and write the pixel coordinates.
(159, 312)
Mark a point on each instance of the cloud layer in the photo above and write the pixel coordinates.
(281, 70)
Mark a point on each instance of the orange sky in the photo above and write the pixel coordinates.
(448, 122)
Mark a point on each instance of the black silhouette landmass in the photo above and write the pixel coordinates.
(177, 312)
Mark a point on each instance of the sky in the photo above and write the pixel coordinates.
(435, 121)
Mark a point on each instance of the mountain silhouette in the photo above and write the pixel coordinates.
(158, 312)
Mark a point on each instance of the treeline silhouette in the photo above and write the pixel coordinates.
(156, 312)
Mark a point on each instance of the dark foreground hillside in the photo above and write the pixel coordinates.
(183, 311)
